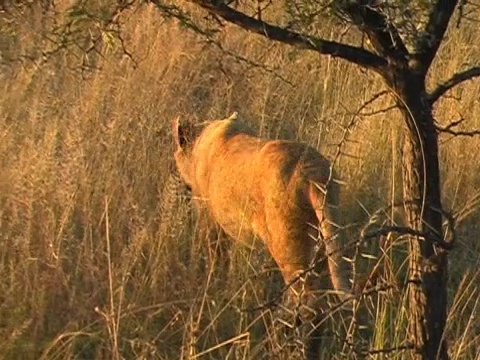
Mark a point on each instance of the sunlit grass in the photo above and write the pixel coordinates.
(86, 271)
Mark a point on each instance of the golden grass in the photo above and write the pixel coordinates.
(85, 273)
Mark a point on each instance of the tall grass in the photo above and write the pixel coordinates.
(86, 271)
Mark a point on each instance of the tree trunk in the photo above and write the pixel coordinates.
(427, 292)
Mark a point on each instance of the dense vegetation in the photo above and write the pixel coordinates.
(87, 272)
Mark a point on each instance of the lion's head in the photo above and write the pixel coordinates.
(185, 134)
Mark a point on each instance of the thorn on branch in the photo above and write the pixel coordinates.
(444, 241)
(387, 229)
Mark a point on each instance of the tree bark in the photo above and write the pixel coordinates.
(428, 266)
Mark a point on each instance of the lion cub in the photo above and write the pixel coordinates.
(279, 191)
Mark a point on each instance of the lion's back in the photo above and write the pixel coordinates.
(244, 176)
(234, 160)
(293, 163)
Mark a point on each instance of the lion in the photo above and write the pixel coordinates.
(282, 192)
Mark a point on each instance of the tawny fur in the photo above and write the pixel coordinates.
(279, 191)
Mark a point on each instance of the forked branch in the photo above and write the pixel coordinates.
(351, 53)
(455, 80)
(382, 33)
(428, 44)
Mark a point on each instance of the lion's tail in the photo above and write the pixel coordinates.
(331, 234)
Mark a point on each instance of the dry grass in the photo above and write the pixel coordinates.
(86, 272)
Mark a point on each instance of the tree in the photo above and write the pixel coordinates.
(404, 38)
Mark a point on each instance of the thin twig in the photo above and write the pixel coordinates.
(470, 133)
(209, 36)
(455, 80)
(388, 350)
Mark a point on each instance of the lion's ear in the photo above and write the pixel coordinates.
(182, 133)
(234, 116)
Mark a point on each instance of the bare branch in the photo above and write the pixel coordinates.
(380, 111)
(378, 351)
(451, 125)
(455, 80)
(469, 133)
(449, 129)
(445, 241)
(372, 100)
(386, 230)
(428, 44)
(351, 53)
(382, 33)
